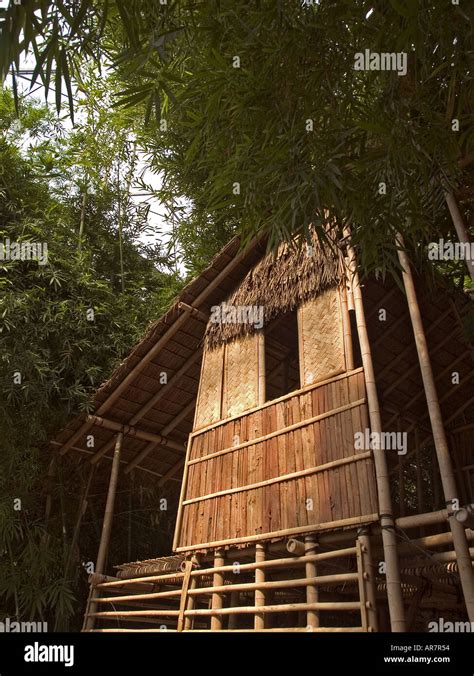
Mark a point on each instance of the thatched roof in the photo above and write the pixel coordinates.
(278, 283)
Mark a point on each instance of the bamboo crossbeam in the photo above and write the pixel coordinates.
(279, 432)
(135, 580)
(427, 519)
(328, 525)
(134, 432)
(284, 477)
(289, 562)
(164, 433)
(135, 613)
(282, 630)
(140, 597)
(320, 580)
(282, 608)
(194, 312)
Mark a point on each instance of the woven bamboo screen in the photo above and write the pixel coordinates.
(321, 338)
(209, 400)
(241, 375)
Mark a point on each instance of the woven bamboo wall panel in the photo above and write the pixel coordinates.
(301, 448)
(321, 337)
(209, 402)
(241, 375)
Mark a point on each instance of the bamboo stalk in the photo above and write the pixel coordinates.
(259, 620)
(461, 228)
(428, 519)
(346, 324)
(217, 598)
(106, 530)
(184, 594)
(134, 432)
(329, 525)
(261, 368)
(367, 580)
(80, 515)
(394, 590)
(312, 592)
(316, 581)
(280, 608)
(439, 436)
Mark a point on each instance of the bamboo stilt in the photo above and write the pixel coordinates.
(259, 594)
(346, 324)
(217, 598)
(234, 602)
(439, 436)
(261, 368)
(368, 579)
(394, 590)
(312, 592)
(106, 528)
(80, 515)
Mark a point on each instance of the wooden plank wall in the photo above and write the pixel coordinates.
(303, 432)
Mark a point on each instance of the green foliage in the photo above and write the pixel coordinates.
(47, 337)
(248, 125)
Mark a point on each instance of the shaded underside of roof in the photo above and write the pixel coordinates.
(172, 374)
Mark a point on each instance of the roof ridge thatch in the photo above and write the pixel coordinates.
(278, 283)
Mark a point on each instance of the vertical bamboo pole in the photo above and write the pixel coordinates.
(234, 602)
(460, 226)
(261, 368)
(259, 594)
(189, 621)
(401, 477)
(346, 327)
(387, 522)
(364, 550)
(217, 599)
(312, 594)
(80, 515)
(184, 599)
(106, 526)
(419, 478)
(439, 437)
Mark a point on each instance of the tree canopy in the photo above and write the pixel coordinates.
(259, 119)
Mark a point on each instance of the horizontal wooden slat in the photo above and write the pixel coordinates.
(284, 477)
(279, 432)
(338, 375)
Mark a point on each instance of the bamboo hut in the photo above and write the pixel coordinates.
(318, 432)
